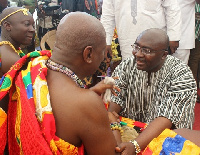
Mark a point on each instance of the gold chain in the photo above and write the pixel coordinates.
(19, 52)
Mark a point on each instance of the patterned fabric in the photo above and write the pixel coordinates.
(134, 10)
(31, 123)
(3, 130)
(197, 21)
(138, 126)
(170, 92)
(169, 143)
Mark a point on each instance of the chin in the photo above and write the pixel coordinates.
(140, 68)
(27, 43)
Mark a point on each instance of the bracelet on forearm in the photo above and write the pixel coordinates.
(136, 145)
(116, 126)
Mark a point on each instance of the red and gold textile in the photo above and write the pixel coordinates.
(31, 123)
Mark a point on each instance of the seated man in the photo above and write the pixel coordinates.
(49, 112)
(156, 88)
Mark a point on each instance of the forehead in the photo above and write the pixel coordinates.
(19, 17)
(149, 41)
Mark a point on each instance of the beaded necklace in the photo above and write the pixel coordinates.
(19, 52)
(63, 69)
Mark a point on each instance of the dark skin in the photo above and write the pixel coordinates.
(86, 123)
(148, 63)
(18, 29)
(80, 115)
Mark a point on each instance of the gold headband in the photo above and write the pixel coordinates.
(25, 12)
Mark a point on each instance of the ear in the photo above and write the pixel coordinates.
(88, 54)
(7, 25)
(164, 54)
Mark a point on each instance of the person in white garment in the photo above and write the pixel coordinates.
(187, 41)
(131, 17)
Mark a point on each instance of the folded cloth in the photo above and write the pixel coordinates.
(31, 123)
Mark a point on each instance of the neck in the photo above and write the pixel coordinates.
(68, 61)
(65, 70)
(8, 38)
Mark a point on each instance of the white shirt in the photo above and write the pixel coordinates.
(188, 24)
(163, 14)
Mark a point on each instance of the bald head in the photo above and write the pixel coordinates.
(156, 37)
(78, 30)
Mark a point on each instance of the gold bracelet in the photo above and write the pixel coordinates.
(136, 145)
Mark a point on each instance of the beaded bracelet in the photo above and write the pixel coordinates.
(136, 145)
(116, 126)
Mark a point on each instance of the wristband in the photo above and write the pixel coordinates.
(116, 126)
(136, 145)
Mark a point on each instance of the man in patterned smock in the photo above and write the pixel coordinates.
(156, 88)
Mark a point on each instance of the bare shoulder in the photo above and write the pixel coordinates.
(92, 100)
(81, 117)
(8, 57)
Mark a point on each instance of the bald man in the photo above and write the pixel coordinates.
(80, 46)
(56, 114)
(156, 88)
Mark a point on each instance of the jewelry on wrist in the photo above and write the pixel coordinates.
(116, 126)
(136, 145)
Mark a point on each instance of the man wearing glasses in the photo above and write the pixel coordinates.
(156, 88)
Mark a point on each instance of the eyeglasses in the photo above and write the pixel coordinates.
(145, 51)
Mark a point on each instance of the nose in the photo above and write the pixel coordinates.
(32, 29)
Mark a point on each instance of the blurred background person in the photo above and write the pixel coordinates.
(187, 41)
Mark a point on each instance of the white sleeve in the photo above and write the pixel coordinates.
(108, 19)
(173, 19)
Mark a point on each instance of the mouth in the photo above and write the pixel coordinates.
(140, 63)
(29, 37)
